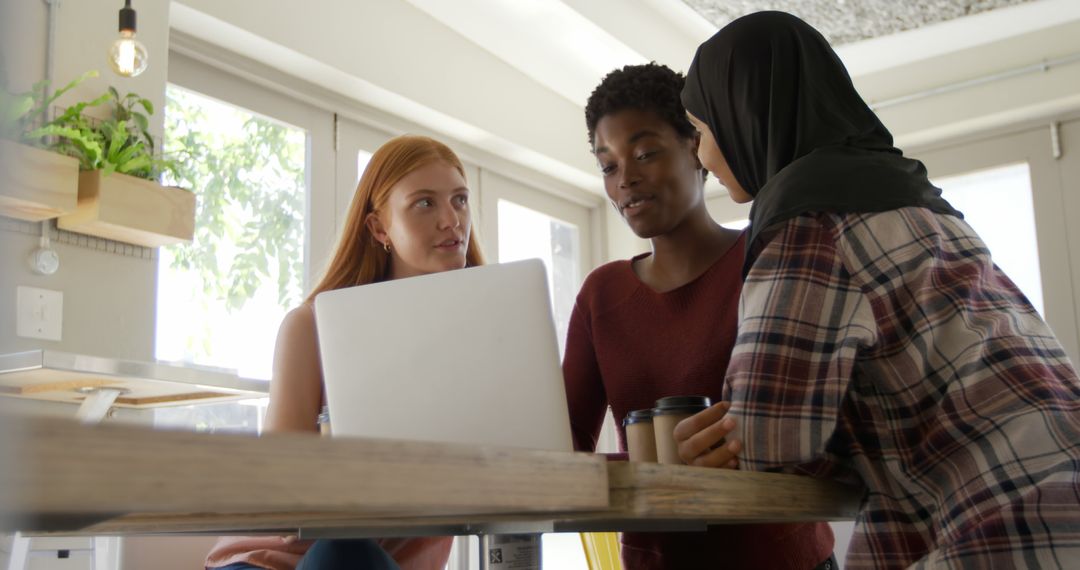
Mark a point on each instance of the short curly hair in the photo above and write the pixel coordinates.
(649, 87)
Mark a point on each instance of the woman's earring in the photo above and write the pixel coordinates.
(386, 246)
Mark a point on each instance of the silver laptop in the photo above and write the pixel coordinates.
(466, 356)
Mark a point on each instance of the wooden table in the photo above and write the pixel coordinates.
(68, 478)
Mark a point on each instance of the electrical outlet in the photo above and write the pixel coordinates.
(39, 313)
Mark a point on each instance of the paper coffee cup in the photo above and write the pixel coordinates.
(640, 436)
(666, 415)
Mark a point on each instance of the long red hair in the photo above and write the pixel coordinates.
(359, 259)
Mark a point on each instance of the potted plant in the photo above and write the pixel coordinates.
(36, 183)
(119, 197)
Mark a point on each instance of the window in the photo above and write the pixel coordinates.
(563, 550)
(362, 159)
(221, 297)
(355, 144)
(244, 416)
(262, 167)
(518, 221)
(526, 234)
(997, 203)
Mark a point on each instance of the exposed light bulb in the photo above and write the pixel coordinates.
(127, 56)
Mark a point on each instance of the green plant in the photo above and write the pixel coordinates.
(24, 113)
(119, 143)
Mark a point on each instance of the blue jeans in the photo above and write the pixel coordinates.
(337, 554)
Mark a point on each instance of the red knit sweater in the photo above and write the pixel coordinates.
(626, 347)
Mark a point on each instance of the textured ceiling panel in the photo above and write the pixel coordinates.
(845, 21)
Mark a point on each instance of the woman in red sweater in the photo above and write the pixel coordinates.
(663, 323)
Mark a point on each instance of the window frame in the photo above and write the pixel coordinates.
(495, 186)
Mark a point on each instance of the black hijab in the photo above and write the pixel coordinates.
(794, 131)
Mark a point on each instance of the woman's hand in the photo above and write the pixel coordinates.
(702, 438)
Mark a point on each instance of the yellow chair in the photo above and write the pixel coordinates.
(601, 550)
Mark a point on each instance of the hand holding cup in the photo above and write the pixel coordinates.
(702, 438)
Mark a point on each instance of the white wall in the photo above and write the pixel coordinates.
(22, 43)
(108, 300)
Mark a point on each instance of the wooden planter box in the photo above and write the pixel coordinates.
(36, 184)
(132, 210)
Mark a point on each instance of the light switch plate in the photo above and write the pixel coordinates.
(39, 313)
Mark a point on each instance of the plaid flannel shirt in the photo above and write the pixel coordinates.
(887, 349)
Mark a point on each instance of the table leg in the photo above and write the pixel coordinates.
(97, 403)
(20, 550)
(510, 552)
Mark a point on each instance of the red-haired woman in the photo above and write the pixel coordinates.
(410, 216)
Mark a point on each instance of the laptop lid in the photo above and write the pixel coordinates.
(465, 356)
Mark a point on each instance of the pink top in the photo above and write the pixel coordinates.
(285, 552)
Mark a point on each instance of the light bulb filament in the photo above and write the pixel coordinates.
(125, 59)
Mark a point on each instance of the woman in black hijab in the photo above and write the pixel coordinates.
(878, 343)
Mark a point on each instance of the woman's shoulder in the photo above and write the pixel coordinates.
(299, 320)
(304, 312)
(609, 284)
(886, 229)
(617, 274)
(608, 271)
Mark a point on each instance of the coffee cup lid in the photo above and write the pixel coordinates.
(681, 405)
(637, 416)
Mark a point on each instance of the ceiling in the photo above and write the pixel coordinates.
(847, 21)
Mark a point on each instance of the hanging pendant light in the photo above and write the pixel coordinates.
(128, 56)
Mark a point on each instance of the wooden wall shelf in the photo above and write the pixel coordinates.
(131, 210)
(36, 184)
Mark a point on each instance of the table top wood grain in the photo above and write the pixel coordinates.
(69, 478)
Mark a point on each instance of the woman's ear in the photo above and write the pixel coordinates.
(376, 227)
(695, 144)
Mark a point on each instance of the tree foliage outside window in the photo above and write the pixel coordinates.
(248, 173)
